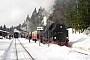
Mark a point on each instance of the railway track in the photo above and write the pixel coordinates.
(78, 51)
(21, 52)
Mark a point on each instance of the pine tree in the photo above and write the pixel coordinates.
(58, 15)
(70, 13)
(82, 14)
(4, 27)
(1, 28)
(78, 16)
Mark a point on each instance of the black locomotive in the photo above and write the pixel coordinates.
(16, 34)
(56, 33)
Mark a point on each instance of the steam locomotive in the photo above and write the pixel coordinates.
(56, 33)
(16, 34)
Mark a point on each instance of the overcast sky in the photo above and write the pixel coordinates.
(14, 12)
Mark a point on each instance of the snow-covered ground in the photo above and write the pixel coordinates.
(4, 46)
(80, 41)
(53, 52)
(79, 48)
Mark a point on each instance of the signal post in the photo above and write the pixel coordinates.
(39, 29)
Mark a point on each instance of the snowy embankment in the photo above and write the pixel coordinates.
(81, 42)
(65, 53)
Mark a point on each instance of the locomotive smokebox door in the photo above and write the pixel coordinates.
(16, 34)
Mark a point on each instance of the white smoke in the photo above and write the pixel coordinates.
(47, 4)
(44, 20)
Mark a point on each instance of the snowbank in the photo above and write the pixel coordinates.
(81, 42)
(56, 50)
(64, 53)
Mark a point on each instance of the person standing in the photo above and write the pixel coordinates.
(9, 36)
(29, 37)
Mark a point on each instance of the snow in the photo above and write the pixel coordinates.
(80, 41)
(79, 48)
(54, 52)
(4, 45)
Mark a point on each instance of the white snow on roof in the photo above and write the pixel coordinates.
(15, 30)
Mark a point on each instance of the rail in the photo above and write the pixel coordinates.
(17, 56)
